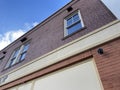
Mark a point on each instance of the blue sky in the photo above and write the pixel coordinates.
(19, 16)
(16, 14)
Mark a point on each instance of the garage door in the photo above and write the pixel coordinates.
(81, 76)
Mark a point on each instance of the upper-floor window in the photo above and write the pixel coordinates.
(73, 23)
(23, 52)
(18, 55)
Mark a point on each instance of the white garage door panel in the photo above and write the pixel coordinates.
(12, 89)
(25, 87)
(82, 76)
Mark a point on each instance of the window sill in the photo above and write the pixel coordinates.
(74, 33)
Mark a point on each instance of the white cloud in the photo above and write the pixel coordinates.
(28, 26)
(10, 36)
(35, 24)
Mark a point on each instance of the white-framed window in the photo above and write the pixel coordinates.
(18, 55)
(73, 23)
(23, 52)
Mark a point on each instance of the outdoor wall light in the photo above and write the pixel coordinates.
(23, 39)
(100, 51)
(69, 9)
(4, 52)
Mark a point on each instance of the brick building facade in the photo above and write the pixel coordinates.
(75, 48)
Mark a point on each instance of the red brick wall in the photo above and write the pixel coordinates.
(108, 65)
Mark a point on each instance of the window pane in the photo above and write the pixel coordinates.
(76, 18)
(69, 21)
(12, 61)
(16, 53)
(22, 57)
(25, 47)
(74, 28)
(13, 58)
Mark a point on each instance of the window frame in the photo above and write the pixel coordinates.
(79, 21)
(22, 52)
(12, 58)
(16, 59)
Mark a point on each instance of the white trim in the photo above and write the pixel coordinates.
(97, 37)
(65, 33)
(81, 18)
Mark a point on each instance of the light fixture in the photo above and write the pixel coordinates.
(23, 39)
(4, 52)
(69, 9)
(100, 51)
